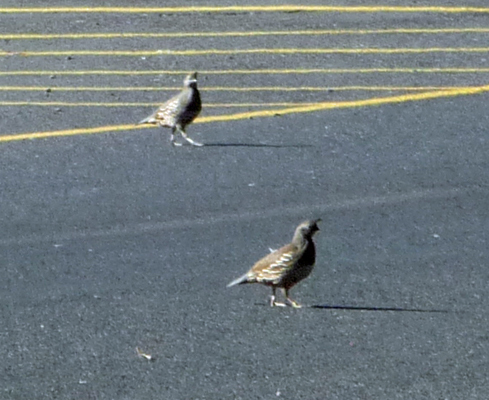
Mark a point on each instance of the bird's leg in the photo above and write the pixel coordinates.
(293, 303)
(273, 303)
(192, 142)
(272, 297)
(172, 138)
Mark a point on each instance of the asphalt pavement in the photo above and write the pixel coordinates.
(116, 248)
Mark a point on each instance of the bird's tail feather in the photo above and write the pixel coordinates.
(148, 120)
(239, 281)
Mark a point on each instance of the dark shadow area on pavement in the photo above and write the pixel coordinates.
(255, 145)
(367, 308)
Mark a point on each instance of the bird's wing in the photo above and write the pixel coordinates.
(272, 268)
(157, 116)
(170, 107)
(164, 112)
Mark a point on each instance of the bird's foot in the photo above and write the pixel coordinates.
(173, 140)
(194, 143)
(274, 303)
(191, 141)
(293, 303)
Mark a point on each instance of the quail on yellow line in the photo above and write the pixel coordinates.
(286, 266)
(179, 111)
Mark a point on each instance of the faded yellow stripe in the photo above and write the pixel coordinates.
(411, 70)
(248, 8)
(88, 89)
(121, 104)
(266, 113)
(350, 104)
(68, 132)
(318, 32)
(224, 88)
(217, 52)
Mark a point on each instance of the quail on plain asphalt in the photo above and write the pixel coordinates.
(179, 111)
(285, 267)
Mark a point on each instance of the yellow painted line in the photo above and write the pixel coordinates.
(317, 32)
(223, 88)
(219, 52)
(266, 113)
(68, 132)
(120, 104)
(249, 8)
(405, 70)
(89, 89)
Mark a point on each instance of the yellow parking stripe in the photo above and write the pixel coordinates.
(404, 70)
(120, 104)
(267, 113)
(249, 8)
(319, 32)
(223, 88)
(151, 53)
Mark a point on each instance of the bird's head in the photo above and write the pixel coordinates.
(307, 229)
(191, 80)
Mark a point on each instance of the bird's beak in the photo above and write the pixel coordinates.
(315, 223)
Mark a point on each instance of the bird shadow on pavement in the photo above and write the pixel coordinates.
(257, 145)
(368, 308)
